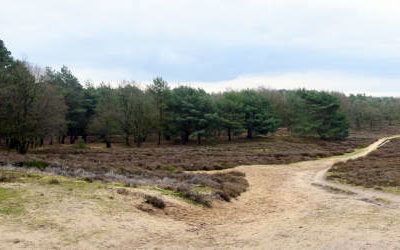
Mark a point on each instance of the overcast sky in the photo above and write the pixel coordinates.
(345, 45)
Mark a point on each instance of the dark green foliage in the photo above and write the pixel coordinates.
(257, 114)
(230, 112)
(191, 112)
(78, 101)
(159, 91)
(106, 119)
(135, 113)
(35, 164)
(319, 114)
(5, 62)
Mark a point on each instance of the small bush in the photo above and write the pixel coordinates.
(35, 164)
(224, 196)
(193, 196)
(54, 181)
(155, 201)
(81, 144)
(88, 179)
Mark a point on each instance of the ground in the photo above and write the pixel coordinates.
(379, 170)
(211, 156)
(286, 206)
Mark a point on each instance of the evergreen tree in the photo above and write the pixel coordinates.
(318, 113)
(105, 122)
(257, 114)
(159, 90)
(229, 108)
(191, 113)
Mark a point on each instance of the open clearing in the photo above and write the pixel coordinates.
(282, 209)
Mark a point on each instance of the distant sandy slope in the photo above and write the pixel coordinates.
(281, 210)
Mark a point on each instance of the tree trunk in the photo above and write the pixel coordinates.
(229, 134)
(249, 133)
(72, 139)
(51, 140)
(63, 139)
(159, 138)
(127, 141)
(185, 137)
(22, 147)
(108, 142)
(199, 139)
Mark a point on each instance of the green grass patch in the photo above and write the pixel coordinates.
(35, 164)
(395, 190)
(11, 202)
(203, 190)
(80, 145)
(170, 168)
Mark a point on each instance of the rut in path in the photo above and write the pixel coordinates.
(292, 203)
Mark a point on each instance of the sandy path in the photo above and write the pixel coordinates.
(286, 207)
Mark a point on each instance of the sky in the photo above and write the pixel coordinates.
(352, 46)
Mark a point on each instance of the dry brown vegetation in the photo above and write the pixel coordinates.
(169, 167)
(380, 169)
(175, 158)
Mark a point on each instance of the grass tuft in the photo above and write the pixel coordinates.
(36, 164)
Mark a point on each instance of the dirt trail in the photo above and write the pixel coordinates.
(286, 207)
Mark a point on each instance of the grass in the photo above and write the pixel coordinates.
(35, 164)
(11, 202)
(38, 191)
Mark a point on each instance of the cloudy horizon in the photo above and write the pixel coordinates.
(347, 46)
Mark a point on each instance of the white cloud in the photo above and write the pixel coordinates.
(353, 25)
(156, 30)
(329, 81)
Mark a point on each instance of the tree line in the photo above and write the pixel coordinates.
(38, 104)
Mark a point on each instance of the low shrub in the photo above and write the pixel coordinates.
(35, 164)
(54, 181)
(189, 194)
(81, 144)
(154, 201)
